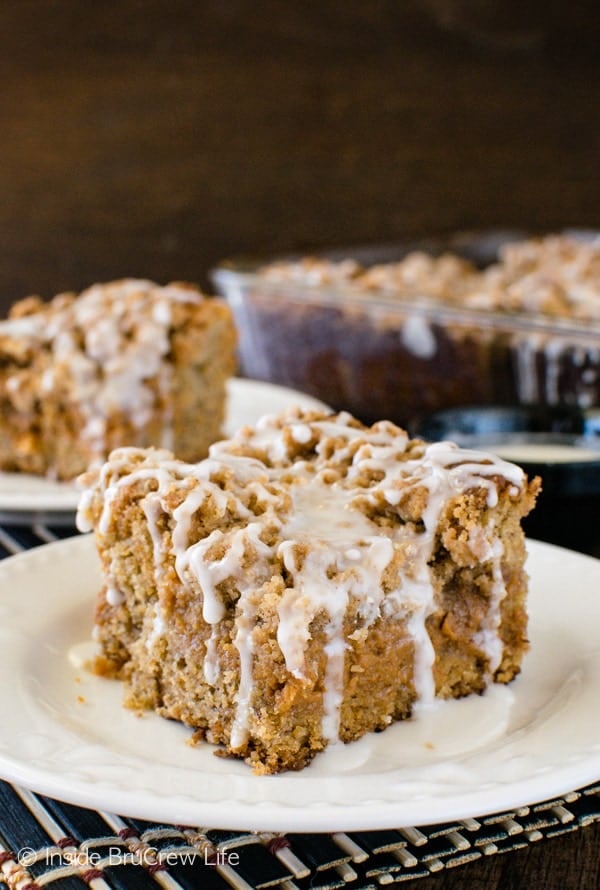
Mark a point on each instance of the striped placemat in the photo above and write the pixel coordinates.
(44, 842)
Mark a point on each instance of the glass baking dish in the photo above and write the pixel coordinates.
(378, 355)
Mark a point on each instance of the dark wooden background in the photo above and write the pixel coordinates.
(154, 138)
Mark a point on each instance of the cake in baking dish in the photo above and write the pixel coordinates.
(128, 362)
(402, 338)
(309, 582)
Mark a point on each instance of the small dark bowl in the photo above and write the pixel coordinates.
(561, 445)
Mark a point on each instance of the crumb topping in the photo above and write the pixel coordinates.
(556, 275)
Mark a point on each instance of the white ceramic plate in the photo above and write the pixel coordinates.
(65, 733)
(23, 496)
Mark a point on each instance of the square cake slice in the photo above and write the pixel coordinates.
(123, 363)
(309, 582)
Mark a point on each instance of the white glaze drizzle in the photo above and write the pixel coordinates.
(488, 639)
(418, 337)
(305, 515)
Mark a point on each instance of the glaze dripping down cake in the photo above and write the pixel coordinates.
(307, 583)
(123, 363)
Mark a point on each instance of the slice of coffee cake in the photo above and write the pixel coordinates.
(308, 582)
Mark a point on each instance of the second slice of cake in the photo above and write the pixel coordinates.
(128, 362)
(309, 582)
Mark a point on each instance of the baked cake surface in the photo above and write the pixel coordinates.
(310, 581)
(127, 362)
(555, 275)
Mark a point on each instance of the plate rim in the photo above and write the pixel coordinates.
(261, 815)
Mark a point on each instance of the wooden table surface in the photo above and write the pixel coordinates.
(566, 863)
(153, 138)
